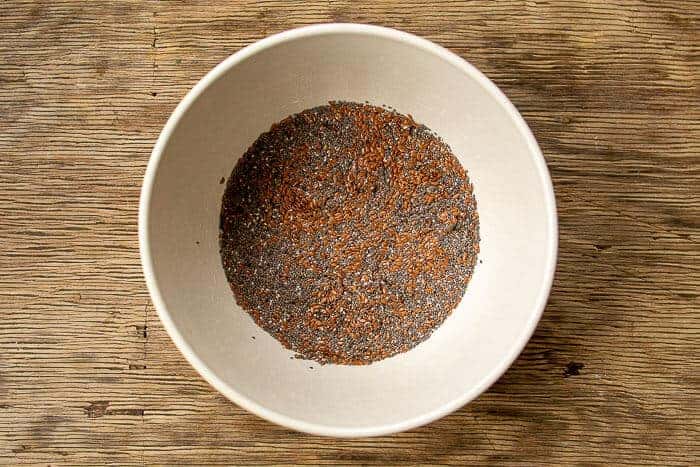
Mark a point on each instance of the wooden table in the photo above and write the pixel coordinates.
(611, 91)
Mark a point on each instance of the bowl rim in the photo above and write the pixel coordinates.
(199, 365)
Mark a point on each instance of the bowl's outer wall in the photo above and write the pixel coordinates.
(263, 84)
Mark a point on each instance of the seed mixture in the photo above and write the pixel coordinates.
(349, 232)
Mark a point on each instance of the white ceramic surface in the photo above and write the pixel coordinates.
(284, 74)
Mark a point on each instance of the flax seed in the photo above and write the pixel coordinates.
(349, 232)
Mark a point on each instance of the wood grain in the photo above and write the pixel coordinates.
(611, 91)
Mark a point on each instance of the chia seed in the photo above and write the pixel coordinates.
(349, 232)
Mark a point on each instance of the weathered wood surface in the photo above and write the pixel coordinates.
(611, 91)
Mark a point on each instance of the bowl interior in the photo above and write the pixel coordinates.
(180, 221)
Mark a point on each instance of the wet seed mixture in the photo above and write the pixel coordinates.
(349, 232)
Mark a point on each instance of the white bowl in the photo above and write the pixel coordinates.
(284, 74)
